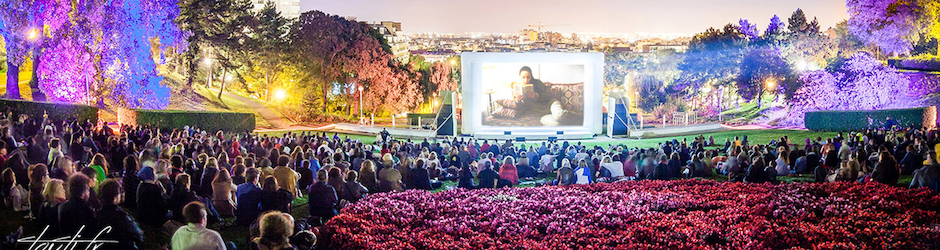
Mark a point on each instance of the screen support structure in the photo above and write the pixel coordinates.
(448, 102)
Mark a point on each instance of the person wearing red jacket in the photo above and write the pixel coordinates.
(508, 170)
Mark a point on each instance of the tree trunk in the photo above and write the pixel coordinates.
(759, 95)
(38, 95)
(222, 85)
(13, 80)
(325, 91)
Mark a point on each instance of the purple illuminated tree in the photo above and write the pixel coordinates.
(748, 29)
(106, 52)
(886, 24)
(21, 25)
(862, 83)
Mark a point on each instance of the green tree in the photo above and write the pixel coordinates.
(799, 25)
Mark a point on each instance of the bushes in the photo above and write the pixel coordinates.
(56, 111)
(174, 119)
(924, 64)
(863, 119)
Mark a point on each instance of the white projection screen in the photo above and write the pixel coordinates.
(533, 95)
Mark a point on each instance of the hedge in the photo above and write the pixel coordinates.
(175, 119)
(56, 111)
(916, 64)
(864, 119)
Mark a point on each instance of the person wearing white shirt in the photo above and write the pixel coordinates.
(615, 167)
(545, 163)
(583, 155)
(583, 174)
(195, 235)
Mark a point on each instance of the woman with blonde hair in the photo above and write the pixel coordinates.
(389, 178)
(367, 175)
(508, 170)
(223, 194)
(208, 174)
(276, 229)
(53, 194)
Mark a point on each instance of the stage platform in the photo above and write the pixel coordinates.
(534, 135)
(677, 130)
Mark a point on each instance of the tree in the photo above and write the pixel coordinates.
(214, 25)
(350, 54)
(763, 69)
(713, 55)
(105, 51)
(862, 83)
(799, 25)
(886, 24)
(269, 43)
(749, 30)
(441, 76)
(20, 20)
(775, 34)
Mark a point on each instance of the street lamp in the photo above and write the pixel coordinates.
(33, 34)
(769, 84)
(360, 103)
(636, 100)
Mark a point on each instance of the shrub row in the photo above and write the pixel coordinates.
(916, 64)
(175, 119)
(57, 111)
(864, 119)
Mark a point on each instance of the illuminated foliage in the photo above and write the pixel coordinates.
(887, 24)
(104, 51)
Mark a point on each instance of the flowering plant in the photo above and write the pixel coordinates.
(683, 214)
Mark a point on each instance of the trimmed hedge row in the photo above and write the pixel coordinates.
(864, 119)
(56, 111)
(175, 119)
(915, 64)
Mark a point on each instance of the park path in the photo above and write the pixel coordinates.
(273, 117)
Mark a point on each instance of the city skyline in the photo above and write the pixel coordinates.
(684, 17)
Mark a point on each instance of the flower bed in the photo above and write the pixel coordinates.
(685, 214)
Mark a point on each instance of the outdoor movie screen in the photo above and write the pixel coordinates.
(533, 94)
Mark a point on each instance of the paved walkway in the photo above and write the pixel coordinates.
(273, 117)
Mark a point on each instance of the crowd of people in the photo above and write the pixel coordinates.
(69, 174)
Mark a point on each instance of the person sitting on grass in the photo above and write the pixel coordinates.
(323, 202)
(123, 228)
(488, 177)
(508, 170)
(276, 229)
(195, 235)
(53, 194)
(248, 195)
(583, 173)
(274, 197)
(76, 213)
(929, 175)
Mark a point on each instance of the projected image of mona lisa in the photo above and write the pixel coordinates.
(533, 94)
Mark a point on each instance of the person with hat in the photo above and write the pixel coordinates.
(151, 198)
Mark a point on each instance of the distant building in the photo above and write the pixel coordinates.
(658, 47)
(288, 8)
(392, 33)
